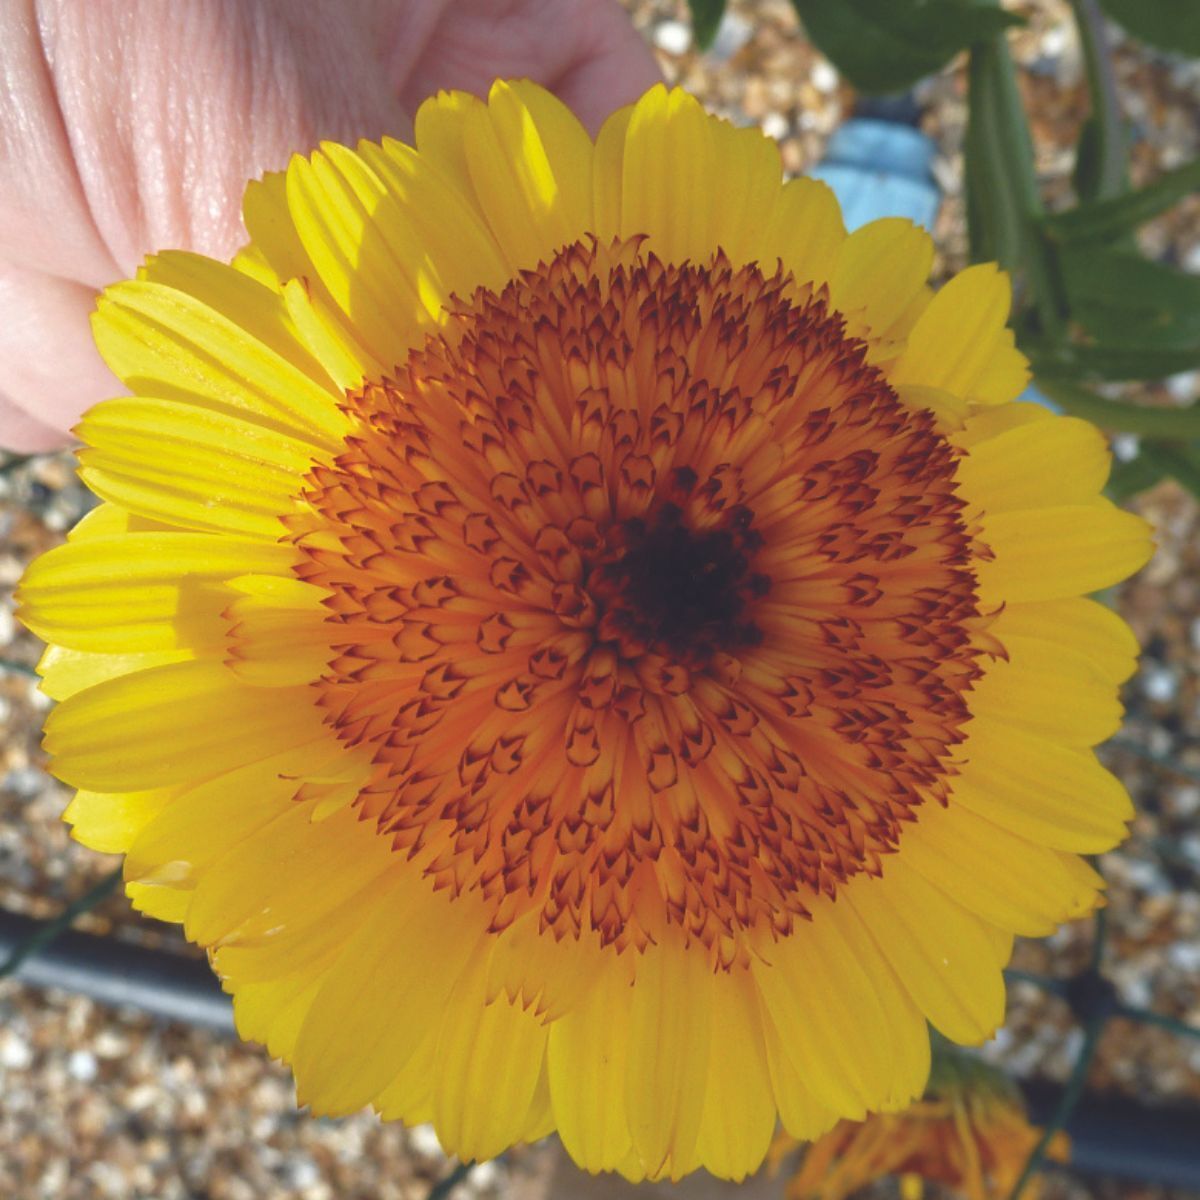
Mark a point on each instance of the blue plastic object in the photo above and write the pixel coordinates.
(880, 169)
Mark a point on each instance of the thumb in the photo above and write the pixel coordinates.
(49, 368)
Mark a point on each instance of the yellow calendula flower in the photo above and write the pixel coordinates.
(584, 642)
(970, 1134)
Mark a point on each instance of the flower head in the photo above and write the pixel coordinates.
(584, 642)
(969, 1133)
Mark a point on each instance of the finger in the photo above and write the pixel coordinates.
(45, 222)
(613, 67)
(586, 51)
(172, 107)
(49, 368)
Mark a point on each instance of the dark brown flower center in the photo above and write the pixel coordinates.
(681, 592)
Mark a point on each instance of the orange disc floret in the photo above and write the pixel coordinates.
(653, 604)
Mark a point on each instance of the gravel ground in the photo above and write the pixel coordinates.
(100, 1103)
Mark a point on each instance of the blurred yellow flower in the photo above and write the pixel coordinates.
(970, 1134)
(586, 643)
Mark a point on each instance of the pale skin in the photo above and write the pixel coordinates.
(129, 126)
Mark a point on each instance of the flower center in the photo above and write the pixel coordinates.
(677, 591)
(650, 602)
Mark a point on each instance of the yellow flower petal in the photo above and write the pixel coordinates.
(1049, 691)
(739, 1116)
(110, 823)
(960, 342)
(941, 951)
(156, 591)
(804, 231)
(668, 161)
(588, 1060)
(880, 275)
(164, 342)
(669, 1036)
(1075, 624)
(191, 466)
(800, 1113)
(1003, 878)
(396, 959)
(489, 1063)
(1062, 460)
(813, 1013)
(170, 724)
(65, 672)
(1060, 551)
(1055, 795)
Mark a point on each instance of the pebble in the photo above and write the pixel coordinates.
(1159, 683)
(16, 1054)
(733, 33)
(82, 1065)
(825, 77)
(673, 37)
(1125, 446)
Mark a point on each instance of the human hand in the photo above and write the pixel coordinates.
(128, 126)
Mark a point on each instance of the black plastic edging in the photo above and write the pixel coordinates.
(1109, 1135)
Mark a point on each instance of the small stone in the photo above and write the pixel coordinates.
(1185, 956)
(673, 37)
(732, 34)
(301, 1172)
(825, 77)
(1159, 683)
(1185, 800)
(82, 1066)
(775, 125)
(1184, 386)
(1125, 446)
(16, 1054)
(110, 1044)
(425, 1141)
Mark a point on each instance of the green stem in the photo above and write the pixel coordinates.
(1055, 987)
(1099, 934)
(60, 924)
(444, 1187)
(10, 666)
(1000, 159)
(1112, 178)
(13, 461)
(1159, 760)
(1180, 423)
(1145, 1017)
(1110, 218)
(1064, 1108)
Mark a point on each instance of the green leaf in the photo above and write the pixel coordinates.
(1108, 219)
(1004, 207)
(1174, 424)
(1128, 478)
(1126, 301)
(997, 204)
(1168, 24)
(1101, 166)
(706, 19)
(1086, 176)
(1174, 460)
(1071, 362)
(887, 45)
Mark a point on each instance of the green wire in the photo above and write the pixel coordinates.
(53, 929)
(1064, 1108)
(444, 1187)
